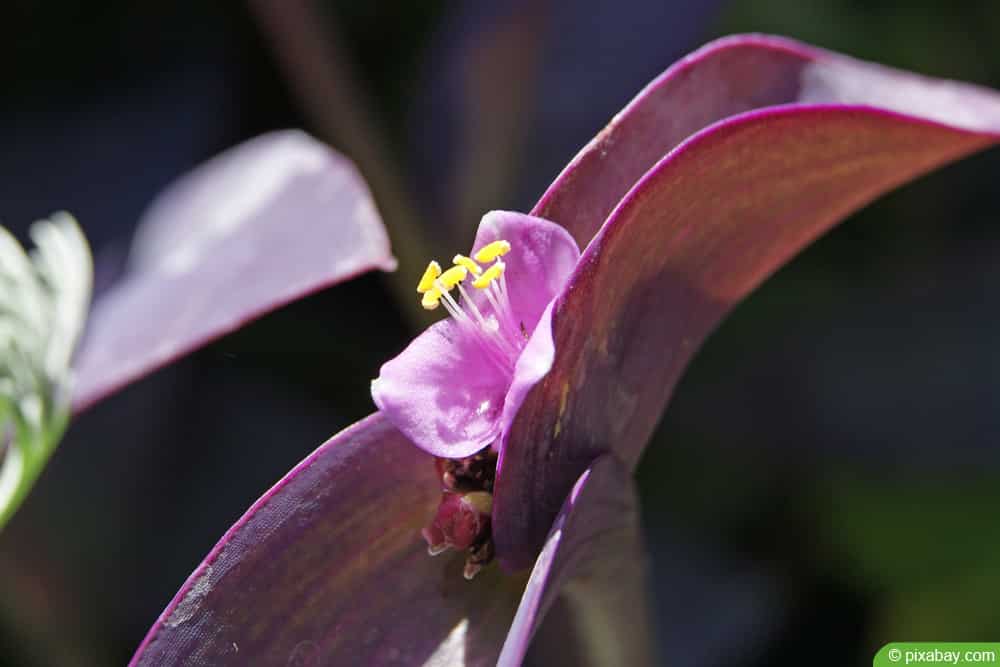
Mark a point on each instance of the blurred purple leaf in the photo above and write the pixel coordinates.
(310, 49)
(262, 224)
(706, 225)
(471, 117)
(508, 93)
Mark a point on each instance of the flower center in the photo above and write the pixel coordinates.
(490, 322)
(462, 521)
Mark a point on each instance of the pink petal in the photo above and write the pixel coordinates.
(542, 257)
(443, 392)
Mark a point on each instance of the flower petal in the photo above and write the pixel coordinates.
(261, 225)
(700, 231)
(329, 567)
(594, 558)
(442, 391)
(542, 257)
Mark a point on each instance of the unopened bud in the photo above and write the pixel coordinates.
(461, 521)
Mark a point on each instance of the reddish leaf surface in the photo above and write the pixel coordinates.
(260, 225)
(700, 230)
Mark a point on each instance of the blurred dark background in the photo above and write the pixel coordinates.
(824, 480)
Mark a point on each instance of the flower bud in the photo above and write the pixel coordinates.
(462, 520)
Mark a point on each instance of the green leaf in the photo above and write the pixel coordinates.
(44, 299)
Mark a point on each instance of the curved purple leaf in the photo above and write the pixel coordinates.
(260, 225)
(727, 77)
(329, 567)
(594, 558)
(700, 230)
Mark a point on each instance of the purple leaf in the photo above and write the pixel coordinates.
(329, 567)
(731, 76)
(263, 224)
(593, 557)
(700, 230)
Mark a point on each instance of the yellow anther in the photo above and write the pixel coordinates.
(491, 251)
(453, 276)
(462, 260)
(430, 275)
(432, 299)
(491, 274)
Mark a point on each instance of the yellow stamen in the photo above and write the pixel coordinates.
(432, 299)
(491, 251)
(491, 274)
(427, 281)
(453, 276)
(462, 260)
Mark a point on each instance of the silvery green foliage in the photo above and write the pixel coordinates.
(44, 298)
